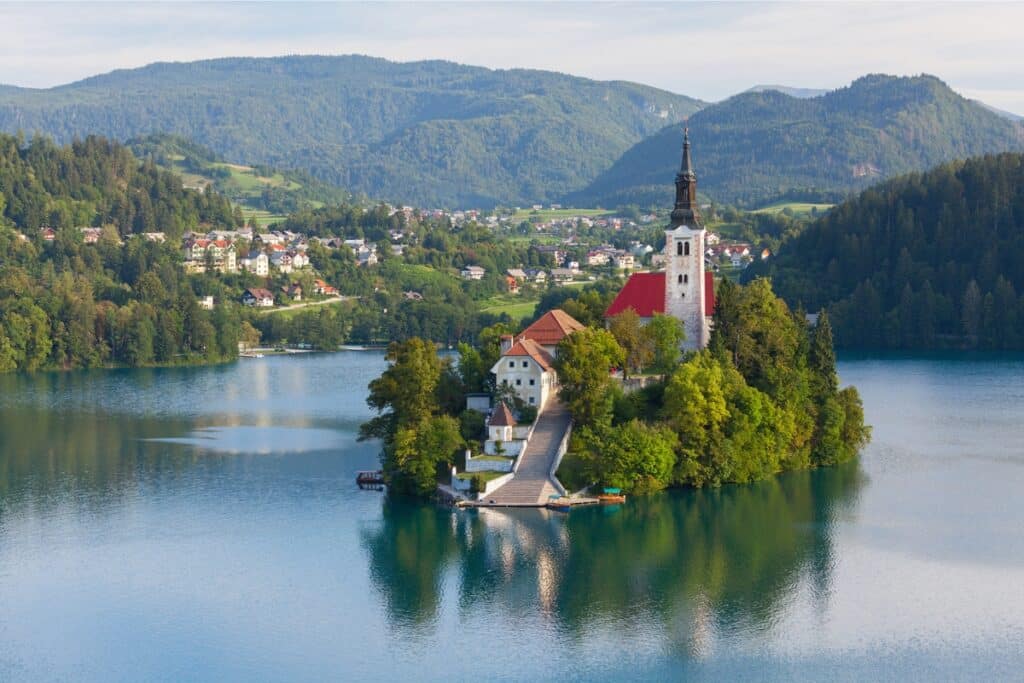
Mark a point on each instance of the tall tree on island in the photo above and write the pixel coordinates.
(584, 364)
(416, 438)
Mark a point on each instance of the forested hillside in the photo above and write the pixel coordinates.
(922, 261)
(96, 182)
(123, 300)
(260, 188)
(425, 133)
(757, 147)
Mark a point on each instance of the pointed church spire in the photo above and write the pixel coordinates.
(685, 210)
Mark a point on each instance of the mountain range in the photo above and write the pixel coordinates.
(429, 133)
(442, 134)
(761, 146)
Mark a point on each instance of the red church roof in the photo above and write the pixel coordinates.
(644, 293)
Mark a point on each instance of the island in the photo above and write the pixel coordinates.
(676, 384)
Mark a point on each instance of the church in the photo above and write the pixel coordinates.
(684, 289)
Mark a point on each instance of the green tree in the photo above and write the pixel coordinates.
(405, 392)
(666, 335)
(629, 333)
(584, 363)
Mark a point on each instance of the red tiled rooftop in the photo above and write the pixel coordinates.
(551, 328)
(643, 292)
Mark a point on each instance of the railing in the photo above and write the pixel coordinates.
(563, 446)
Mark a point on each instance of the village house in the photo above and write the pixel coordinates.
(48, 234)
(293, 291)
(206, 302)
(366, 255)
(321, 288)
(517, 273)
(563, 274)
(258, 297)
(624, 261)
(511, 284)
(528, 369)
(536, 275)
(527, 359)
(473, 273)
(220, 252)
(90, 236)
(256, 262)
(281, 260)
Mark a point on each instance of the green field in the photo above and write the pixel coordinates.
(795, 207)
(264, 218)
(551, 214)
(516, 307)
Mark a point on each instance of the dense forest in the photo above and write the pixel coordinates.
(425, 133)
(123, 300)
(928, 260)
(759, 147)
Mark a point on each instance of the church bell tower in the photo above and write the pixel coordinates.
(684, 257)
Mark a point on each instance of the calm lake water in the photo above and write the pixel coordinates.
(203, 524)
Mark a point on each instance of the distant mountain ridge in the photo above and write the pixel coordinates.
(430, 133)
(757, 147)
(801, 93)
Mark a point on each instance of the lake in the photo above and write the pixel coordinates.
(203, 524)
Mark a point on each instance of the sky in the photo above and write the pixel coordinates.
(705, 50)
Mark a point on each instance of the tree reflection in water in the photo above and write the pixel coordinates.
(695, 563)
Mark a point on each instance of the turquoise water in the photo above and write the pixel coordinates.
(203, 524)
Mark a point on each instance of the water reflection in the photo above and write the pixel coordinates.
(702, 565)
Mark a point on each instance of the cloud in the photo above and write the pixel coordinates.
(707, 50)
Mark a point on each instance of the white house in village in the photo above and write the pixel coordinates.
(527, 360)
(256, 262)
(529, 370)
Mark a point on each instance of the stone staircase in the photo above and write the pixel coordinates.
(533, 484)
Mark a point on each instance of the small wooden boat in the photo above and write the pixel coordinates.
(370, 478)
(611, 496)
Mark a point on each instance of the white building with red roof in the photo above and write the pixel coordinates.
(529, 370)
(684, 290)
(527, 359)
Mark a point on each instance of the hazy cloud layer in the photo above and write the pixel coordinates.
(703, 50)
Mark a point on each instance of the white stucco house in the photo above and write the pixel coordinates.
(529, 370)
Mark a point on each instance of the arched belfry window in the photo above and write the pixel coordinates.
(686, 278)
(679, 248)
(680, 279)
(686, 248)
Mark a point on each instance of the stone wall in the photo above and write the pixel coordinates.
(479, 464)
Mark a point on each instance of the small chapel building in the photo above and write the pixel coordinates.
(684, 290)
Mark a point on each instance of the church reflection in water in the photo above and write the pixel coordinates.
(695, 563)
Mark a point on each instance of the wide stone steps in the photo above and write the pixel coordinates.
(532, 484)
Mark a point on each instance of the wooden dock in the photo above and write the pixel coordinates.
(566, 501)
